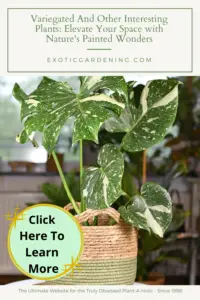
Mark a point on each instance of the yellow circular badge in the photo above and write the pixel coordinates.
(45, 241)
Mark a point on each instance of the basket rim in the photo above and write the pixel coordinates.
(120, 224)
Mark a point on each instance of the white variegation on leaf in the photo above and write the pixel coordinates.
(114, 84)
(23, 138)
(102, 185)
(147, 125)
(152, 210)
(53, 103)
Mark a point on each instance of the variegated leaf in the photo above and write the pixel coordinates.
(52, 103)
(116, 84)
(147, 124)
(102, 185)
(152, 210)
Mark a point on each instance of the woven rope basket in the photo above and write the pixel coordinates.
(110, 251)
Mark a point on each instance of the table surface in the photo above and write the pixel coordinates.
(34, 281)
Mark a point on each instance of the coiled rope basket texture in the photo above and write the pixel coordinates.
(110, 251)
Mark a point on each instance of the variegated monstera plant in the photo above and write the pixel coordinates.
(106, 102)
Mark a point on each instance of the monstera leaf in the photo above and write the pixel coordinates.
(152, 210)
(52, 103)
(147, 124)
(102, 185)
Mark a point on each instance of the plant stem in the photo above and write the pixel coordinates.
(75, 206)
(127, 196)
(144, 166)
(83, 206)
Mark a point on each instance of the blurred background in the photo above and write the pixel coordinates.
(29, 176)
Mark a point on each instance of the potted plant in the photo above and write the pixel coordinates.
(110, 235)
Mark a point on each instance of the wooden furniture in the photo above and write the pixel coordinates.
(18, 164)
(50, 164)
